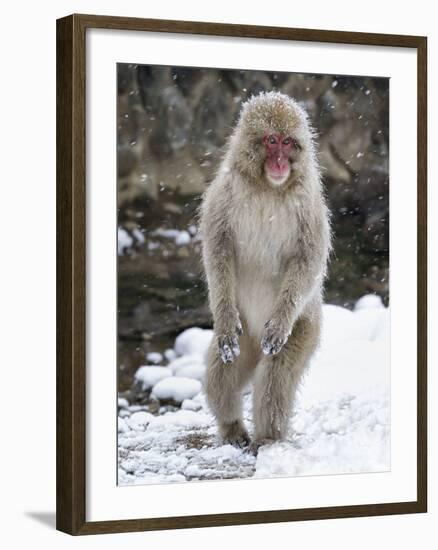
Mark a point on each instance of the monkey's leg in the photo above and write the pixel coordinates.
(276, 381)
(223, 387)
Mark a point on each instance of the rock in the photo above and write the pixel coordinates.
(175, 119)
(212, 121)
(141, 315)
(151, 80)
(186, 78)
(278, 79)
(126, 159)
(246, 83)
(125, 78)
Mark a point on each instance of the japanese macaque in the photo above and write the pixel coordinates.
(266, 240)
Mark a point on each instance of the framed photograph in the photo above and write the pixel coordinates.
(241, 274)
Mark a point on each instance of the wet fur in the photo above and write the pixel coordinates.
(265, 252)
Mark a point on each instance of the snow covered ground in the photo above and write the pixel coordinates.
(340, 425)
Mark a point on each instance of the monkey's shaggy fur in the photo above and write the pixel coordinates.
(265, 250)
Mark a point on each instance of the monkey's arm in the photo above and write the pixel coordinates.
(303, 277)
(219, 264)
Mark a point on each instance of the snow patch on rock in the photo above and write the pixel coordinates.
(177, 388)
(369, 301)
(193, 340)
(154, 357)
(149, 375)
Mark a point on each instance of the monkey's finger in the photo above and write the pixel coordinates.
(235, 346)
(225, 352)
(267, 346)
(271, 347)
(276, 348)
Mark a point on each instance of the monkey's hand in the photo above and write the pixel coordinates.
(277, 331)
(228, 338)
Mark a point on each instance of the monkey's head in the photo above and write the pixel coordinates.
(272, 143)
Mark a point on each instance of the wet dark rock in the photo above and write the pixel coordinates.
(212, 122)
(278, 79)
(126, 159)
(246, 83)
(185, 78)
(151, 81)
(125, 78)
(173, 131)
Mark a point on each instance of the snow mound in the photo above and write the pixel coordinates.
(196, 371)
(122, 425)
(185, 361)
(341, 439)
(341, 420)
(154, 357)
(122, 403)
(341, 325)
(124, 241)
(177, 388)
(189, 419)
(180, 237)
(369, 301)
(170, 354)
(139, 420)
(193, 340)
(149, 375)
(191, 405)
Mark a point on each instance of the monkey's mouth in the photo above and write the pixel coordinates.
(277, 178)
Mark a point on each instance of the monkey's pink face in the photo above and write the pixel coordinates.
(279, 157)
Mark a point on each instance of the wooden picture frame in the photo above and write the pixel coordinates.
(71, 273)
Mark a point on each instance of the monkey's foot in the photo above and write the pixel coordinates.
(257, 443)
(235, 434)
(274, 338)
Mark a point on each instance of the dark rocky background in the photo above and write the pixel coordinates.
(172, 126)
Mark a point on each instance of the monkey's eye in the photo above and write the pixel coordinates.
(272, 139)
(287, 141)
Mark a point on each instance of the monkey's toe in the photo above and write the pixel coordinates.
(257, 443)
(235, 434)
(240, 441)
